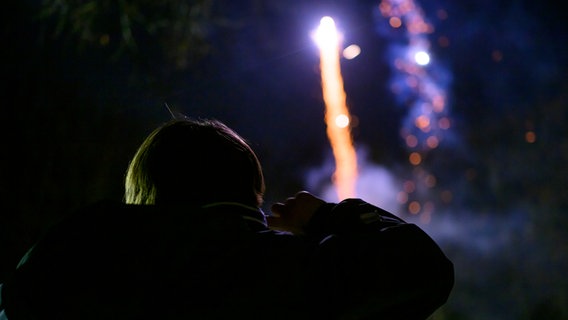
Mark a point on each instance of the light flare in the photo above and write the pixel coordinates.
(422, 58)
(337, 116)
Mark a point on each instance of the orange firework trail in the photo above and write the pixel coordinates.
(337, 116)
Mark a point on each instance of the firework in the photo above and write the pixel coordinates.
(337, 117)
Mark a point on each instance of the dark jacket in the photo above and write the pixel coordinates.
(117, 261)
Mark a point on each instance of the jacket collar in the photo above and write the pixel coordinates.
(252, 214)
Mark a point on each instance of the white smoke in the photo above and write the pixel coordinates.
(375, 183)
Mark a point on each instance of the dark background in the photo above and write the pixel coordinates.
(85, 81)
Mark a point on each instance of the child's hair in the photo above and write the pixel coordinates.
(188, 161)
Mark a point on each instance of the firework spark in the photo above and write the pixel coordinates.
(420, 85)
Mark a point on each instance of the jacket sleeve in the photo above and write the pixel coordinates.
(370, 264)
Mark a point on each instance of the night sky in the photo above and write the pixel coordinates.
(492, 192)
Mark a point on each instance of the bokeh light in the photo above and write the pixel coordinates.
(422, 58)
(421, 90)
(351, 52)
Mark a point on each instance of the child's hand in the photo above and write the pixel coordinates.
(294, 214)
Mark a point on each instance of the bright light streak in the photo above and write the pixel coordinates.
(337, 114)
